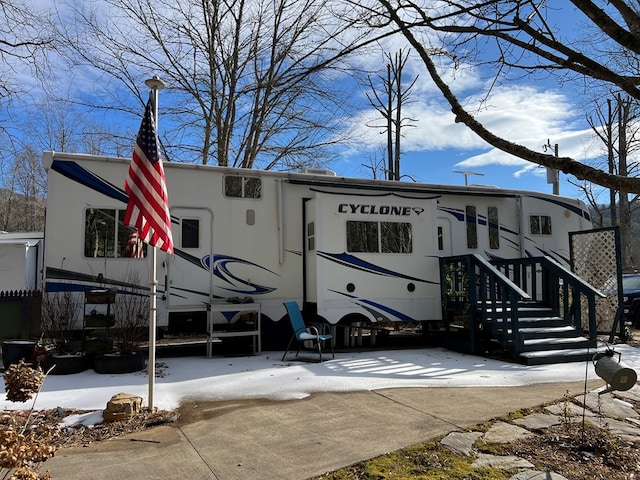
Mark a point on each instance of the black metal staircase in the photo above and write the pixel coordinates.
(534, 309)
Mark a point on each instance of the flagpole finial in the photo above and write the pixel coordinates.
(155, 83)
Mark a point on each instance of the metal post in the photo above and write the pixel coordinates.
(155, 84)
(556, 183)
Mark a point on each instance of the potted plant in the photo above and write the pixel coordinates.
(130, 329)
(60, 311)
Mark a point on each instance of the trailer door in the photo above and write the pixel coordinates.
(444, 237)
(310, 252)
(189, 271)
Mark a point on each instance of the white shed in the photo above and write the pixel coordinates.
(21, 257)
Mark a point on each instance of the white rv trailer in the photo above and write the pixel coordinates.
(346, 249)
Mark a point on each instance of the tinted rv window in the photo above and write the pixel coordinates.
(472, 227)
(395, 237)
(252, 187)
(106, 236)
(362, 236)
(377, 237)
(190, 233)
(242, 187)
(540, 224)
(494, 228)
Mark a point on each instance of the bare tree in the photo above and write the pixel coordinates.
(243, 84)
(22, 201)
(23, 43)
(391, 109)
(526, 43)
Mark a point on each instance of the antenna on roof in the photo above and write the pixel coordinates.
(466, 174)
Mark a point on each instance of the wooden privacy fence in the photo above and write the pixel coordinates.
(20, 314)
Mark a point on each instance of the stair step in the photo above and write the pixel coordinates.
(555, 340)
(542, 332)
(546, 357)
(530, 322)
(528, 311)
(537, 344)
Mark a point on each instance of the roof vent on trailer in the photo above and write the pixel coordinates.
(318, 171)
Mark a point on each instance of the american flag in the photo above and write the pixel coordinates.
(148, 207)
(135, 248)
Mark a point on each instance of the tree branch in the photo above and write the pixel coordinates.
(565, 164)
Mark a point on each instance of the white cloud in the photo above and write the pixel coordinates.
(522, 114)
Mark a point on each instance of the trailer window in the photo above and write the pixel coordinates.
(311, 236)
(190, 232)
(239, 186)
(362, 236)
(106, 235)
(395, 237)
(472, 226)
(377, 237)
(494, 228)
(540, 224)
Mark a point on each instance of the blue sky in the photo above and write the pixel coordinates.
(532, 111)
(529, 112)
(437, 147)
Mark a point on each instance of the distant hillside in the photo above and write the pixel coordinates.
(20, 213)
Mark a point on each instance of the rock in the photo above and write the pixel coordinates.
(624, 430)
(461, 442)
(122, 405)
(570, 412)
(538, 421)
(502, 432)
(537, 475)
(501, 461)
(606, 406)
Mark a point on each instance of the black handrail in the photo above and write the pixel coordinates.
(555, 286)
(494, 293)
(500, 286)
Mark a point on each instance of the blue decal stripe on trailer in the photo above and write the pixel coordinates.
(569, 206)
(382, 308)
(351, 261)
(84, 177)
(555, 255)
(457, 213)
(376, 309)
(222, 271)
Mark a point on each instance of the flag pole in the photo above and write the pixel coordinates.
(155, 84)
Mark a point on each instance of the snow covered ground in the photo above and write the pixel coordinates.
(265, 376)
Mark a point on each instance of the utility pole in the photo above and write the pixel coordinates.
(553, 175)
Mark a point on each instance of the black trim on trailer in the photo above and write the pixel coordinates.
(387, 194)
(396, 188)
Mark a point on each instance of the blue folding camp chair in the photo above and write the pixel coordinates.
(302, 333)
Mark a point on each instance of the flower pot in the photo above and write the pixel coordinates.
(66, 364)
(119, 363)
(14, 350)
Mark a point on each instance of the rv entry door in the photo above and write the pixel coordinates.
(189, 271)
